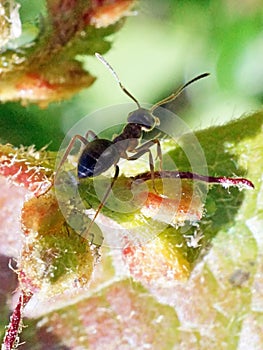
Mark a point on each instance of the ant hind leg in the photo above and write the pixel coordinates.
(66, 154)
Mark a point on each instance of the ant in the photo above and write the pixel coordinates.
(98, 155)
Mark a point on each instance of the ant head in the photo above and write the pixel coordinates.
(144, 118)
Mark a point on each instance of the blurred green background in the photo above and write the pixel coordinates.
(165, 44)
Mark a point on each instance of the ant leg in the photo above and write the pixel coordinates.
(90, 134)
(148, 145)
(69, 148)
(106, 195)
(63, 159)
(92, 238)
(159, 153)
(82, 139)
(65, 226)
(146, 148)
(138, 155)
(65, 155)
(151, 163)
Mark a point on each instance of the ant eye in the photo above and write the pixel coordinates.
(142, 117)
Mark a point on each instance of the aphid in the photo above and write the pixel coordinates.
(98, 155)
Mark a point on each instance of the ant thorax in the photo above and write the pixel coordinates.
(129, 138)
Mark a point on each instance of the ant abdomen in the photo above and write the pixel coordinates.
(97, 157)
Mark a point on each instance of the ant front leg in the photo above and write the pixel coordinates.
(141, 150)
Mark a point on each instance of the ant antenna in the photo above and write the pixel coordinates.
(178, 92)
(102, 59)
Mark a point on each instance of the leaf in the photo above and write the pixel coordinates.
(125, 311)
(47, 69)
(218, 306)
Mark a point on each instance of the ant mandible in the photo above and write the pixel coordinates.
(98, 155)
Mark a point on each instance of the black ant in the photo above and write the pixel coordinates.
(98, 155)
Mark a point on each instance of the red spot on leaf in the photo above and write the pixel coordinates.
(33, 84)
(22, 172)
(156, 262)
(184, 206)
